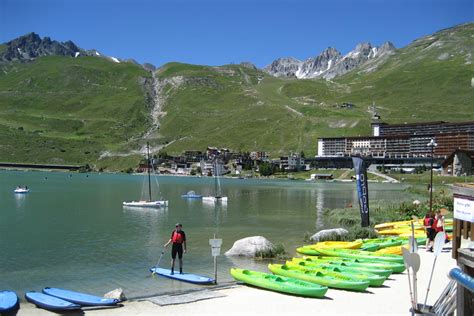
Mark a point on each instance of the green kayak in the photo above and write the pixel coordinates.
(360, 254)
(370, 247)
(308, 250)
(347, 265)
(374, 279)
(279, 283)
(326, 278)
(394, 267)
(379, 243)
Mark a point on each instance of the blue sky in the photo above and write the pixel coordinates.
(219, 32)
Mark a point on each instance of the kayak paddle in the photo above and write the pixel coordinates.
(408, 264)
(159, 260)
(437, 247)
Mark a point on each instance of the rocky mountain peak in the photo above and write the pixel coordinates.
(284, 67)
(31, 46)
(330, 63)
(387, 48)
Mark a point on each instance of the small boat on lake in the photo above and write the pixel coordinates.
(217, 198)
(191, 195)
(148, 203)
(21, 190)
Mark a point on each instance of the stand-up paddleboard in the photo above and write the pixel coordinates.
(82, 299)
(50, 302)
(8, 301)
(186, 277)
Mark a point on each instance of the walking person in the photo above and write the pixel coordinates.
(430, 227)
(178, 241)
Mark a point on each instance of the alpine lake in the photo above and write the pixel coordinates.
(71, 231)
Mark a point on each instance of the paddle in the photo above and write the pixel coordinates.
(158, 263)
(438, 246)
(408, 264)
(415, 260)
(412, 240)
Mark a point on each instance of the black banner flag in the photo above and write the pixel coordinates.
(362, 189)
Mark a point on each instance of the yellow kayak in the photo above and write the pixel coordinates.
(338, 244)
(389, 225)
(395, 250)
(401, 231)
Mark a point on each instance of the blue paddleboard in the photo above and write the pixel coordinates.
(8, 301)
(82, 299)
(186, 277)
(49, 302)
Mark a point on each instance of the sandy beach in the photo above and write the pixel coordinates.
(391, 299)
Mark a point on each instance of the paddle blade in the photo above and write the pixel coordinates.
(406, 257)
(438, 243)
(415, 261)
(413, 244)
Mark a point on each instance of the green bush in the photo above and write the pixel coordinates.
(278, 251)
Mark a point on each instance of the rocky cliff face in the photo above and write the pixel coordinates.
(284, 67)
(330, 63)
(31, 46)
(316, 66)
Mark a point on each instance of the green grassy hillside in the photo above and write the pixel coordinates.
(237, 107)
(65, 110)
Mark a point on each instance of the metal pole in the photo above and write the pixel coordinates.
(431, 179)
(215, 266)
(215, 269)
(148, 168)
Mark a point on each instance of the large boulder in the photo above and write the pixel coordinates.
(329, 234)
(250, 246)
(117, 294)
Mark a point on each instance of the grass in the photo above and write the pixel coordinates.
(65, 110)
(381, 212)
(55, 109)
(424, 178)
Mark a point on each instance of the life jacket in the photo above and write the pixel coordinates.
(435, 224)
(426, 221)
(177, 238)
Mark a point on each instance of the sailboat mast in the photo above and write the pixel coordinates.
(215, 179)
(148, 169)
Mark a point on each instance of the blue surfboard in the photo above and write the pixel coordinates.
(50, 302)
(82, 299)
(8, 301)
(186, 277)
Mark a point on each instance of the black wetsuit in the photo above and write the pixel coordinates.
(178, 238)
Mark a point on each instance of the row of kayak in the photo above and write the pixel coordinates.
(54, 299)
(404, 228)
(327, 265)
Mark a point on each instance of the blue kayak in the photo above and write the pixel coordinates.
(8, 301)
(186, 277)
(50, 302)
(82, 299)
(191, 195)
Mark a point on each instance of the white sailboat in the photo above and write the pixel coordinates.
(148, 203)
(217, 198)
(21, 190)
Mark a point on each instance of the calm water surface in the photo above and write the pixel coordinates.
(71, 230)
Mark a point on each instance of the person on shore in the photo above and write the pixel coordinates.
(440, 223)
(430, 226)
(178, 241)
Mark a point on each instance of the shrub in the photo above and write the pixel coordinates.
(278, 251)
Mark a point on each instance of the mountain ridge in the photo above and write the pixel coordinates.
(61, 109)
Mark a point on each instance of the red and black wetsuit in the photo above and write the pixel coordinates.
(178, 238)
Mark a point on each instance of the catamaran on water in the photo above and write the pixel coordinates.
(148, 203)
(217, 198)
(21, 190)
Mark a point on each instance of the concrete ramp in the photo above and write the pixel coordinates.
(185, 298)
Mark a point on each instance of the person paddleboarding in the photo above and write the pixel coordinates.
(178, 241)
